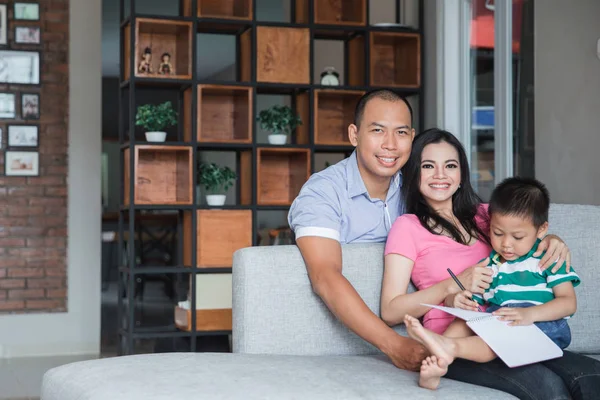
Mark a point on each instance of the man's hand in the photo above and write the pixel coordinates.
(461, 300)
(556, 251)
(476, 279)
(518, 316)
(406, 353)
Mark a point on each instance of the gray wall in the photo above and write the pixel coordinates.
(567, 99)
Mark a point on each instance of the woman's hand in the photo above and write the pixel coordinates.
(461, 300)
(476, 279)
(556, 251)
(518, 316)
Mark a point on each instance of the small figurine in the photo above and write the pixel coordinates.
(145, 66)
(165, 67)
(330, 77)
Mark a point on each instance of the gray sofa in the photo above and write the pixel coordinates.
(287, 345)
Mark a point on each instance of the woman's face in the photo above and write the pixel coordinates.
(440, 174)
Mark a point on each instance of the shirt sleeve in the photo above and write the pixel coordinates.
(316, 211)
(402, 238)
(561, 276)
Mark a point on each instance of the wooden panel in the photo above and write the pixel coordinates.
(395, 59)
(206, 320)
(186, 8)
(283, 55)
(126, 52)
(246, 56)
(340, 12)
(224, 114)
(187, 115)
(245, 177)
(281, 172)
(163, 175)
(302, 108)
(302, 11)
(229, 9)
(356, 61)
(165, 36)
(334, 111)
(217, 240)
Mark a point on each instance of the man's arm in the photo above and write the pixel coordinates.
(323, 259)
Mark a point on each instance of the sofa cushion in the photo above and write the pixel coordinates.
(244, 376)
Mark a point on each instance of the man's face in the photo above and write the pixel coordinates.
(384, 138)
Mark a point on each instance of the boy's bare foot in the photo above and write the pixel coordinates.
(432, 370)
(442, 347)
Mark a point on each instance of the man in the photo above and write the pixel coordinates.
(357, 200)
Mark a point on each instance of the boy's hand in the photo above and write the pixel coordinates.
(518, 316)
(556, 251)
(461, 300)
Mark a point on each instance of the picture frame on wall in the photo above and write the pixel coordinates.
(20, 67)
(7, 106)
(26, 11)
(30, 105)
(27, 35)
(23, 136)
(3, 25)
(21, 163)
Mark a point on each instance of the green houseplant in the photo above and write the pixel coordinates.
(155, 118)
(280, 121)
(216, 180)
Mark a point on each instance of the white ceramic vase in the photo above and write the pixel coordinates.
(156, 136)
(215, 199)
(277, 138)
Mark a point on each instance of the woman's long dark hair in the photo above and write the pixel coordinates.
(465, 202)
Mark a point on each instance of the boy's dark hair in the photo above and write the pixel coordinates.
(522, 197)
(384, 94)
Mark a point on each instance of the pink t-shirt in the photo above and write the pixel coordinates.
(432, 254)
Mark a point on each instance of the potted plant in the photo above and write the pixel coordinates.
(216, 181)
(280, 121)
(155, 118)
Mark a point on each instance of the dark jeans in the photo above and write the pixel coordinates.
(573, 376)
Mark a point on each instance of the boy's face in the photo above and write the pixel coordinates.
(513, 236)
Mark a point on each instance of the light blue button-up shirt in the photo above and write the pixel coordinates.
(334, 203)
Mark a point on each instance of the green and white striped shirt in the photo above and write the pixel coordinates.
(521, 280)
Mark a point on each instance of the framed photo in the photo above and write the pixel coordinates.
(7, 106)
(30, 105)
(27, 34)
(23, 136)
(3, 24)
(26, 11)
(20, 67)
(21, 163)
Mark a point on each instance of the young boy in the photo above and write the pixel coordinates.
(519, 293)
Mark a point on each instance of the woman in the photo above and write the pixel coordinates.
(446, 226)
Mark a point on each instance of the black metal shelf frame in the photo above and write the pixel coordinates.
(127, 215)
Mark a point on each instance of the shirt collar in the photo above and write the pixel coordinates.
(356, 185)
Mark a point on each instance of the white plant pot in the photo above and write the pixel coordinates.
(277, 138)
(156, 136)
(215, 199)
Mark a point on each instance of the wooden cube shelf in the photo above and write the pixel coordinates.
(395, 59)
(281, 172)
(161, 36)
(333, 12)
(282, 55)
(162, 175)
(213, 304)
(219, 233)
(223, 9)
(334, 111)
(224, 114)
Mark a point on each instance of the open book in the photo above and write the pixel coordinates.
(515, 345)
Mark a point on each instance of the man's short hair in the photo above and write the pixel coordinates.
(384, 94)
(521, 197)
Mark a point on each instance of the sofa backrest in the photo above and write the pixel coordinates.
(275, 310)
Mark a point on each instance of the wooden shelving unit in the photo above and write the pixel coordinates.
(215, 115)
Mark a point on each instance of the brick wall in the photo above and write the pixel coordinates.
(33, 210)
